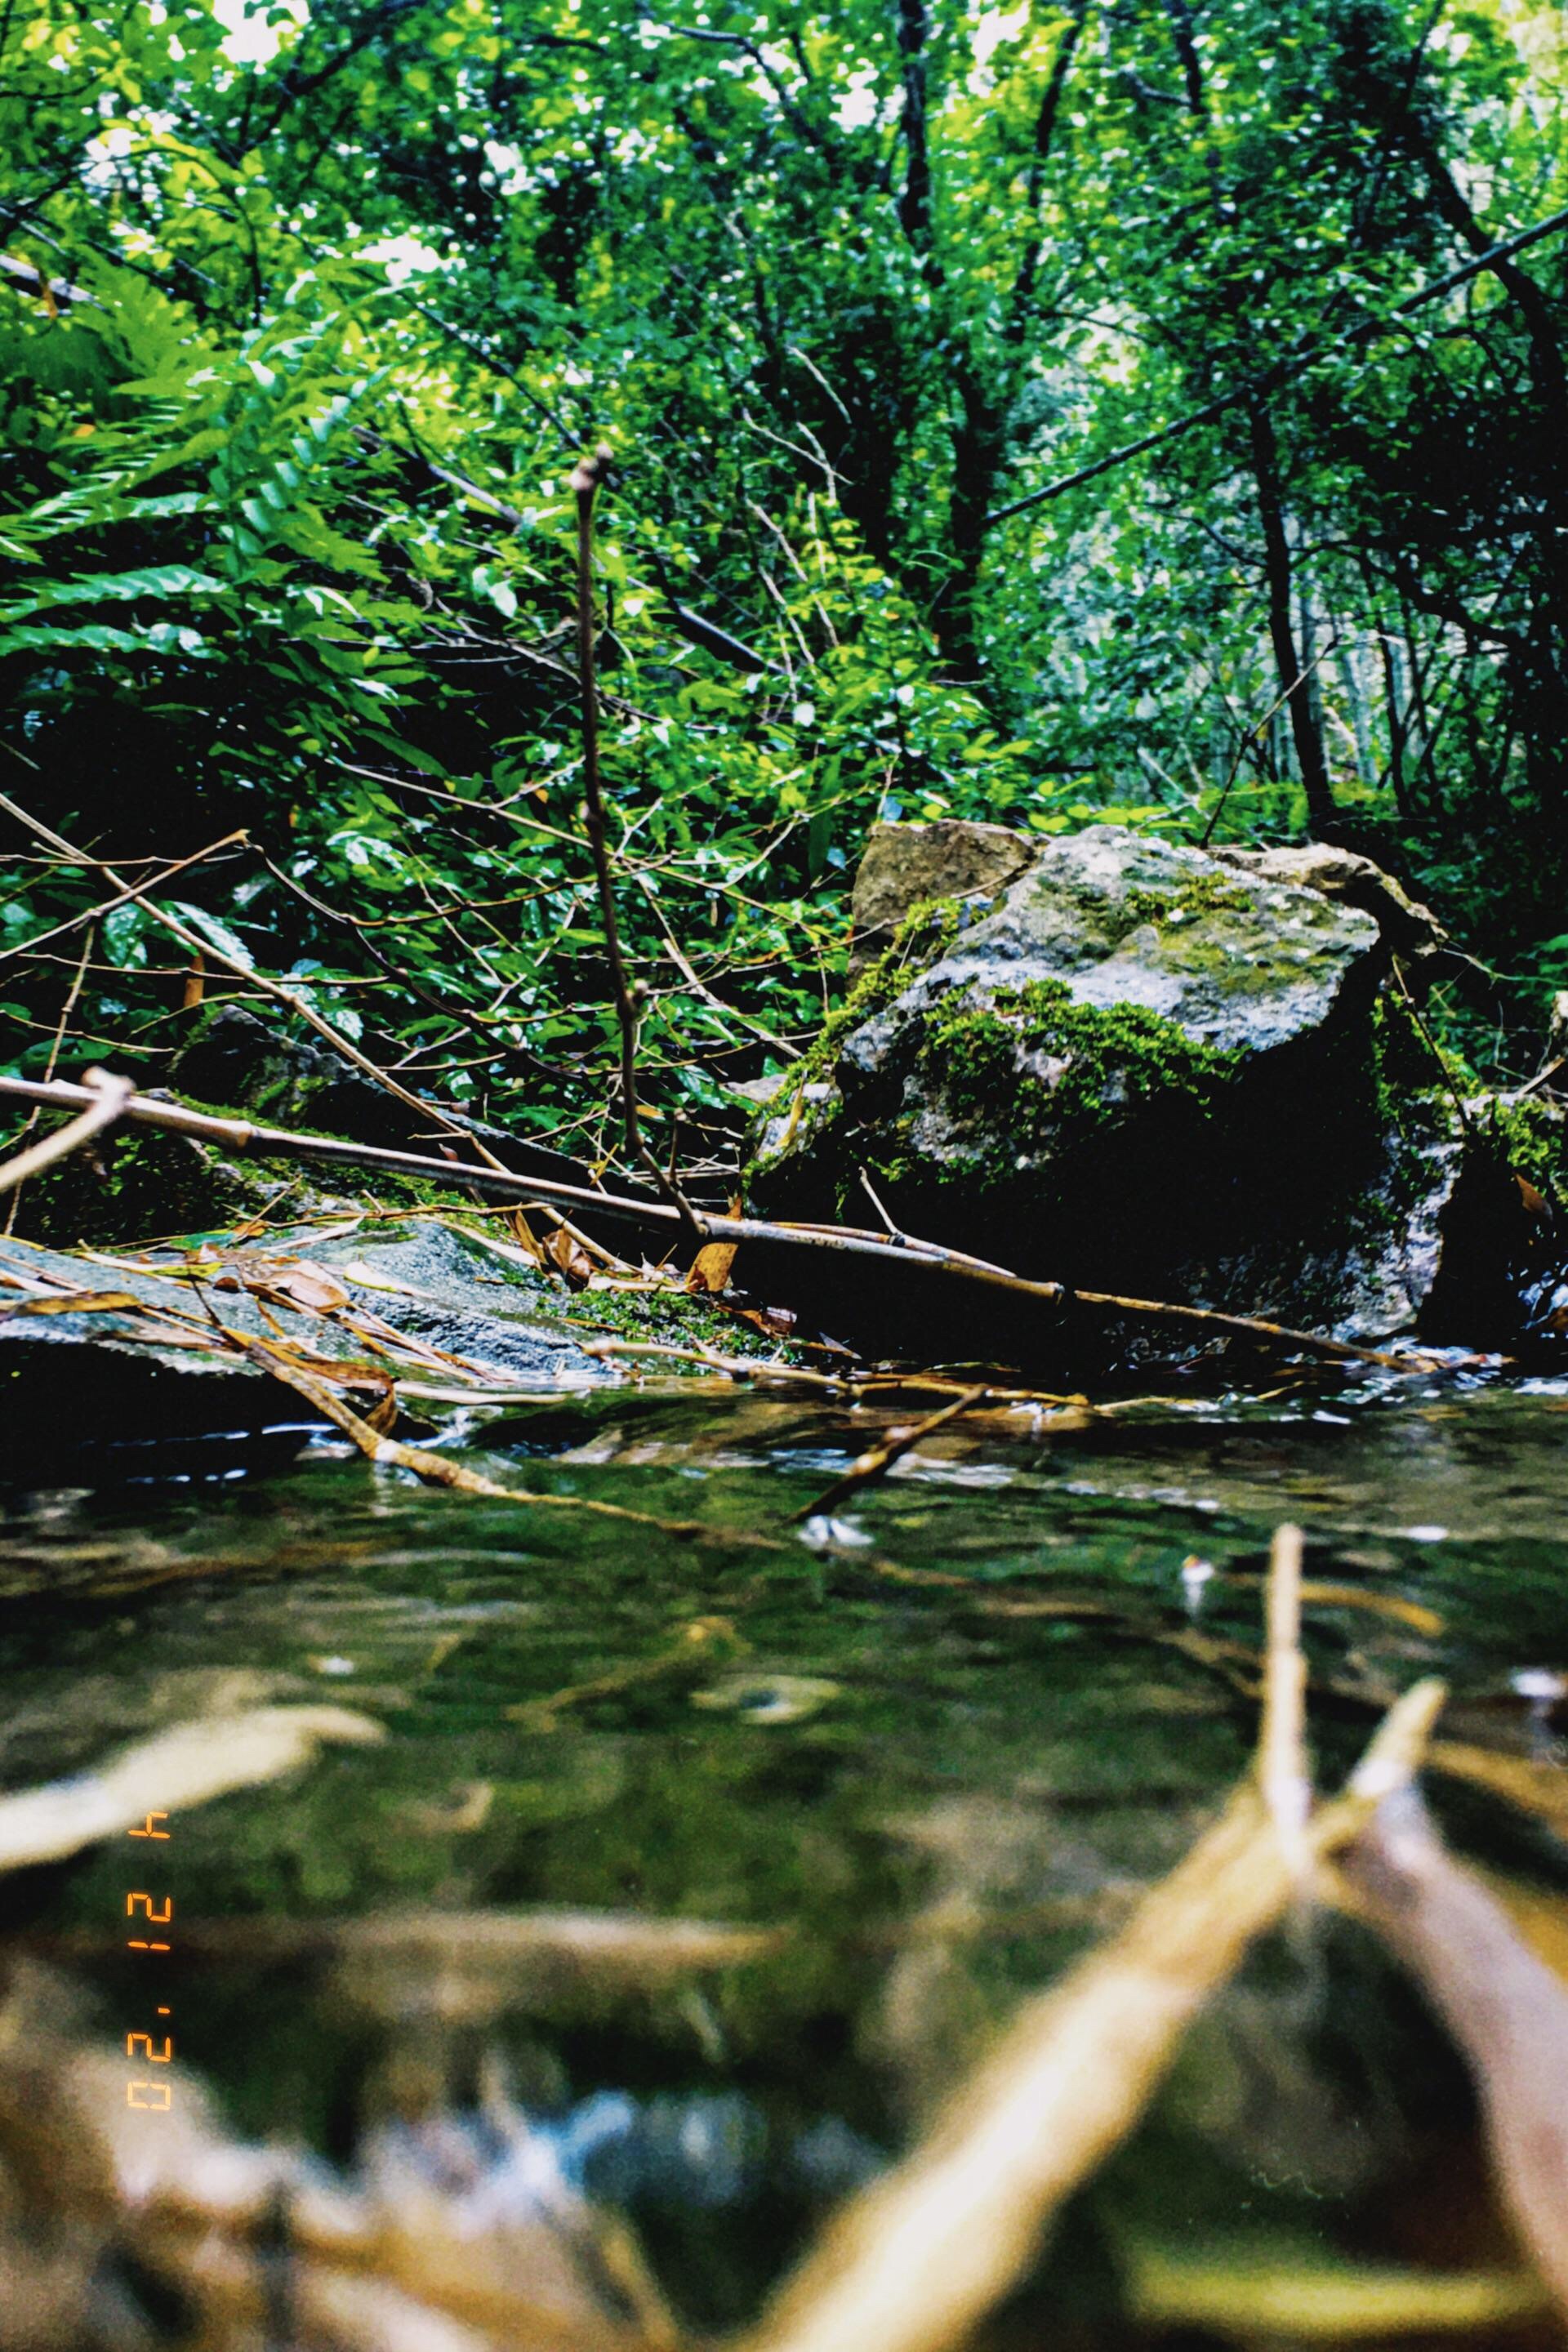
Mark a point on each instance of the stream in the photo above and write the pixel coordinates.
(942, 1738)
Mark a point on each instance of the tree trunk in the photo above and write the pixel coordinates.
(1294, 685)
(977, 443)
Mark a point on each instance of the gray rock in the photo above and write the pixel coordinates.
(903, 864)
(1410, 928)
(1146, 1070)
(83, 1381)
(1236, 962)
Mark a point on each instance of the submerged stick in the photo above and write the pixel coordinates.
(879, 1459)
(442, 1470)
(173, 1770)
(1505, 2008)
(1283, 1772)
(914, 2262)
(250, 1140)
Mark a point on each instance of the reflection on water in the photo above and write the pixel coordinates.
(942, 1743)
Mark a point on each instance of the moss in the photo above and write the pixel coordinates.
(139, 1185)
(1533, 1139)
(1101, 1064)
(679, 1318)
(1206, 893)
(143, 1184)
(923, 938)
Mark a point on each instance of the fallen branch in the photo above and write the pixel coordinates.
(240, 1136)
(914, 2262)
(108, 1097)
(878, 1460)
(442, 1470)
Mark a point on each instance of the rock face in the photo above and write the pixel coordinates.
(117, 1388)
(906, 864)
(1143, 1068)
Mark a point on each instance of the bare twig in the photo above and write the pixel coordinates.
(110, 1093)
(59, 1039)
(253, 979)
(586, 480)
(879, 1459)
(586, 483)
(126, 891)
(1252, 735)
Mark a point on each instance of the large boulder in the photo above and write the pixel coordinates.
(1143, 1068)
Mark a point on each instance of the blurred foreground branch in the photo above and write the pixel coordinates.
(914, 2262)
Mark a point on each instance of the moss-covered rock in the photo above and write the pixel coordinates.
(1148, 1070)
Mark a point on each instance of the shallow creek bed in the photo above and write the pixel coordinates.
(690, 1873)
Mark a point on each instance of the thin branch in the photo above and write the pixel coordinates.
(248, 973)
(879, 1459)
(586, 483)
(61, 1027)
(130, 890)
(1368, 331)
(906, 1256)
(111, 1095)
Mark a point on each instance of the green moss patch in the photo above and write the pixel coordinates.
(1092, 1067)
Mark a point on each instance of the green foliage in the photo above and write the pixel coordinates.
(287, 543)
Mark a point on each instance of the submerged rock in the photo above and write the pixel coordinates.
(1139, 1067)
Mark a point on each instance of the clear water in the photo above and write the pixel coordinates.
(944, 1752)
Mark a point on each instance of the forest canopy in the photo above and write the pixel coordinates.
(1140, 406)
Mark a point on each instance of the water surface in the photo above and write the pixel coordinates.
(942, 1743)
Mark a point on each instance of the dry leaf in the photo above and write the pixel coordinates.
(569, 1257)
(287, 1282)
(778, 1322)
(76, 1302)
(1530, 1196)
(523, 1232)
(711, 1267)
